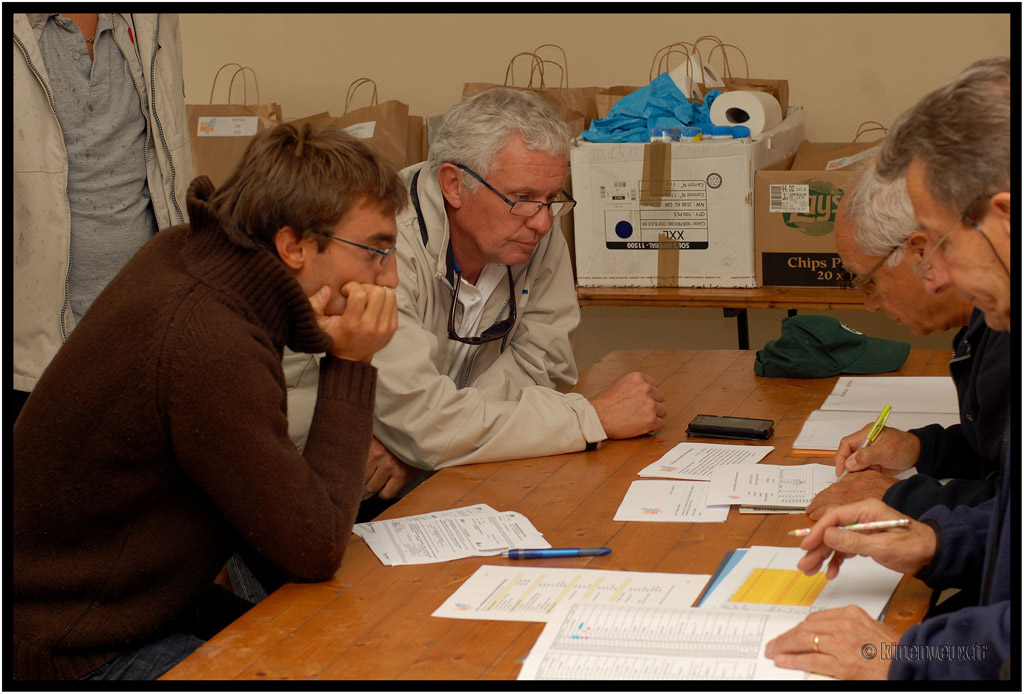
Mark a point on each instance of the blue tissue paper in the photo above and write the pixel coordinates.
(659, 104)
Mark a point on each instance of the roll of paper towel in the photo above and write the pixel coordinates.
(758, 111)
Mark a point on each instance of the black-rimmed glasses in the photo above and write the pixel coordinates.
(497, 331)
(384, 253)
(525, 208)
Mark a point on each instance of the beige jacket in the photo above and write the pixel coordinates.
(42, 216)
(510, 401)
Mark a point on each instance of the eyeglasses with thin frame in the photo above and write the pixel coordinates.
(384, 253)
(926, 271)
(866, 282)
(525, 208)
(497, 331)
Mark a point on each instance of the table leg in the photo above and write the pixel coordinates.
(742, 329)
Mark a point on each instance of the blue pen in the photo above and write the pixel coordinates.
(547, 553)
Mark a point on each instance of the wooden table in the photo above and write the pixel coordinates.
(373, 622)
(733, 302)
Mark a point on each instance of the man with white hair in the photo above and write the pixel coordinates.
(954, 148)
(878, 241)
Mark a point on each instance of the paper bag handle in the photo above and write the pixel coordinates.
(664, 52)
(875, 127)
(238, 69)
(245, 85)
(537, 66)
(719, 45)
(564, 65)
(356, 84)
(540, 66)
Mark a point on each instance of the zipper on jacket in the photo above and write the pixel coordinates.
(159, 127)
(60, 126)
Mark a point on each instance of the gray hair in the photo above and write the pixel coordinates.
(472, 132)
(962, 133)
(880, 213)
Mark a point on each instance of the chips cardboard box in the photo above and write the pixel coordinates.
(795, 204)
(672, 214)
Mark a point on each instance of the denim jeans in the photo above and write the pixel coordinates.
(149, 661)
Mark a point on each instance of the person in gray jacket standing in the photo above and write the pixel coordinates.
(101, 163)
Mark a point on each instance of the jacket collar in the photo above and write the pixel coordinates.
(258, 277)
(431, 218)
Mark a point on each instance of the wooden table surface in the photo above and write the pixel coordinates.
(374, 622)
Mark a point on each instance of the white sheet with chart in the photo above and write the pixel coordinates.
(618, 642)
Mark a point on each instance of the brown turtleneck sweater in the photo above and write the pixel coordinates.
(157, 440)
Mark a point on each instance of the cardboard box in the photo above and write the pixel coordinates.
(677, 214)
(795, 212)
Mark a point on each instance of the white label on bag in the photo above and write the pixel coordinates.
(361, 130)
(852, 159)
(228, 126)
(789, 198)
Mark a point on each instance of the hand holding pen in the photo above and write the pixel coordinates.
(890, 451)
(895, 541)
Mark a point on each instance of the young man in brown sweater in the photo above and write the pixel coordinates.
(156, 444)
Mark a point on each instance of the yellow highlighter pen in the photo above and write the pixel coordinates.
(877, 428)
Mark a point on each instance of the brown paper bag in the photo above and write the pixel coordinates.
(566, 103)
(219, 133)
(776, 87)
(385, 126)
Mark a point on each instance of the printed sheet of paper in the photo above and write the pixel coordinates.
(622, 642)
(696, 461)
(824, 429)
(445, 535)
(669, 501)
(935, 394)
(766, 578)
(770, 485)
(533, 594)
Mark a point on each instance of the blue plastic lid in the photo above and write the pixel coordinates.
(740, 131)
(689, 132)
(722, 131)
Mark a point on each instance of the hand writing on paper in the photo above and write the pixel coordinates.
(385, 474)
(631, 406)
(893, 451)
(368, 319)
(866, 484)
(907, 549)
(843, 643)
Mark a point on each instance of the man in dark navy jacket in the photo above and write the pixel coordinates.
(954, 148)
(878, 240)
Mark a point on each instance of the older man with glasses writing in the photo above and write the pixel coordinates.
(879, 243)
(479, 368)
(954, 147)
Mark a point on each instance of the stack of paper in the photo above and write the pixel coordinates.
(676, 500)
(470, 531)
(770, 487)
(759, 579)
(534, 593)
(916, 401)
(758, 595)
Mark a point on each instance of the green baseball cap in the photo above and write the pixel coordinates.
(819, 346)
